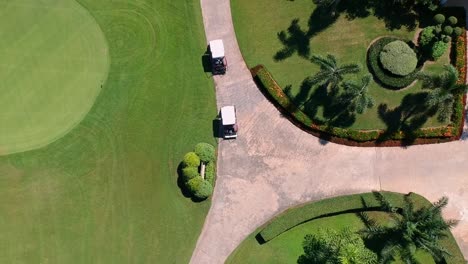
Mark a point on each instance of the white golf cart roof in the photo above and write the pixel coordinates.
(228, 115)
(217, 48)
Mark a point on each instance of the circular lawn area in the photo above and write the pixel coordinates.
(54, 61)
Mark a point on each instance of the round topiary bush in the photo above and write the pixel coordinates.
(205, 151)
(439, 19)
(457, 31)
(191, 159)
(398, 58)
(446, 39)
(426, 37)
(448, 30)
(189, 173)
(194, 184)
(205, 189)
(381, 75)
(439, 49)
(452, 20)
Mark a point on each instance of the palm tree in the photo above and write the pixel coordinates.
(356, 96)
(412, 229)
(330, 73)
(443, 87)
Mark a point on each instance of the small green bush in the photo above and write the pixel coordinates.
(439, 19)
(191, 159)
(448, 30)
(189, 173)
(194, 184)
(210, 172)
(398, 58)
(446, 39)
(205, 151)
(427, 37)
(438, 29)
(205, 189)
(457, 31)
(452, 20)
(438, 49)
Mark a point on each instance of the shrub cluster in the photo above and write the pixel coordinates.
(438, 49)
(198, 187)
(459, 60)
(277, 95)
(386, 78)
(398, 58)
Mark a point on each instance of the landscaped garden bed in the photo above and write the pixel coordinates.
(399, 114)
(280, 240)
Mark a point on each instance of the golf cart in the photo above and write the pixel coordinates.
(228, 120)
(218, 61)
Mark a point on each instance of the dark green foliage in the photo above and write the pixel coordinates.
(448, 30)
(298, 215)
(413, 229)
(210, 171)
(332, 247)
(355, 97)
(457, 31)
(452, 20)
(446, 39)
(443, 91)
(191, 159)
(204, 190)
(190, 173)
(379, 73)
(330, 73)
(205, 151)
(438, 29)
(439, 19)
(438, 49)
(194, 184)
(427, 36)
(398, 58)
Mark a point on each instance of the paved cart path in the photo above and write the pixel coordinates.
(274, 165)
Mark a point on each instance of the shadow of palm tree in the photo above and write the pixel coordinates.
(411, 115)
(297, 40)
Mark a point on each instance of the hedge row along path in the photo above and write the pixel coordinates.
(274, 165)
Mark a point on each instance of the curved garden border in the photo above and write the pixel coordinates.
(295, 216)
(369, 138)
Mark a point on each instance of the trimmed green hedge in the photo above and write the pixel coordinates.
(385, 77)
(398, 58)
(343, 204)
(270, 86)
(205, 151)
(191, 159)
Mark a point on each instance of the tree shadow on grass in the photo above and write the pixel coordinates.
(334, 114)
(411, 115)
(297, 40)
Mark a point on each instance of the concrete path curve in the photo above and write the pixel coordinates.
(274, 165)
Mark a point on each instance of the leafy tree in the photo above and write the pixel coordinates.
(330, 73)
(332, 247)
(205, 151)
(443, 88)
(329, 5)
(356, 96)
(191, 159)
(412, 229)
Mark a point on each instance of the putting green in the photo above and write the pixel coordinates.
(53, 62)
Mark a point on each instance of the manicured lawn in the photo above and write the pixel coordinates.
(287, 247)
(54, 60)
(347, 38)
(107, 191)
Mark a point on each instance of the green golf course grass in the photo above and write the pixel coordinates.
(106, 192)
(54, 59)
(347, 38)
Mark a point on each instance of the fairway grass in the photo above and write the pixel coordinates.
(107, 191)
(54, 60)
